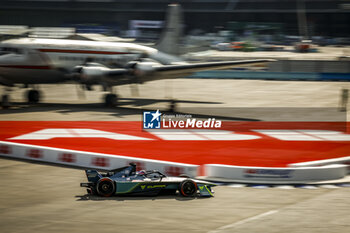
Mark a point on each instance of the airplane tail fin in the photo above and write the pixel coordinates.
(169, 41)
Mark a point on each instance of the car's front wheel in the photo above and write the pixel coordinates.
(188, 188)
(105, 187)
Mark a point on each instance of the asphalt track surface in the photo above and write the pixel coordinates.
(41, 198)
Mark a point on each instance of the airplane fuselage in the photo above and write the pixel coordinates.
(35, 61)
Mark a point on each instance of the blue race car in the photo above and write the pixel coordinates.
(127, 181)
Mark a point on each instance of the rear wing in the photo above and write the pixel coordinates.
(93, 175)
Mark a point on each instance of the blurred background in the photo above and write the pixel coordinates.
(326, 22)
(309, 39)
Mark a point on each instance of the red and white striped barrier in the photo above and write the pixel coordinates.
(74, 158)
(342, 160)
(91, 160)
(275, 175)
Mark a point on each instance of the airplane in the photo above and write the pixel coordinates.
(33, 61)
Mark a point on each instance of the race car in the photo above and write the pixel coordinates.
(128, 181)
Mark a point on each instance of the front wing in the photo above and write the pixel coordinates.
(205, 190)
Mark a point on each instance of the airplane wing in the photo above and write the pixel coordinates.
(140, 72)
(183, 70)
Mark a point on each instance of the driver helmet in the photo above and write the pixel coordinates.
(141, 172)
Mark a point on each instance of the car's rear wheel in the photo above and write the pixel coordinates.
(188, 188)
(105, 187)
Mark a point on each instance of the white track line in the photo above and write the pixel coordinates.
(232, 225)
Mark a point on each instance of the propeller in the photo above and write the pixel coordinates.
(91, 73)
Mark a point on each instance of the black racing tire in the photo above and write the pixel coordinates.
(105, 187)
(188, 188)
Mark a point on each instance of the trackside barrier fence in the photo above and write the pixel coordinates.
(91, 160)
(275, 175)
(102, 161)
(266, 75)
(342, 160)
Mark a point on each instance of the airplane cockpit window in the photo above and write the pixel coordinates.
(10, 50)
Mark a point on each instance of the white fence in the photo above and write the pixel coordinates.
(299, 173)
(91, 160)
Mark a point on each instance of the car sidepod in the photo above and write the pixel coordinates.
(145, 188)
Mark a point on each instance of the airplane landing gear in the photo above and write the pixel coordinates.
(111, 100)
(5, 103)
(172, 107)
(33, 96)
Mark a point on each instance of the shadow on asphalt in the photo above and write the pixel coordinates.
(89, 197)
(126, 107)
